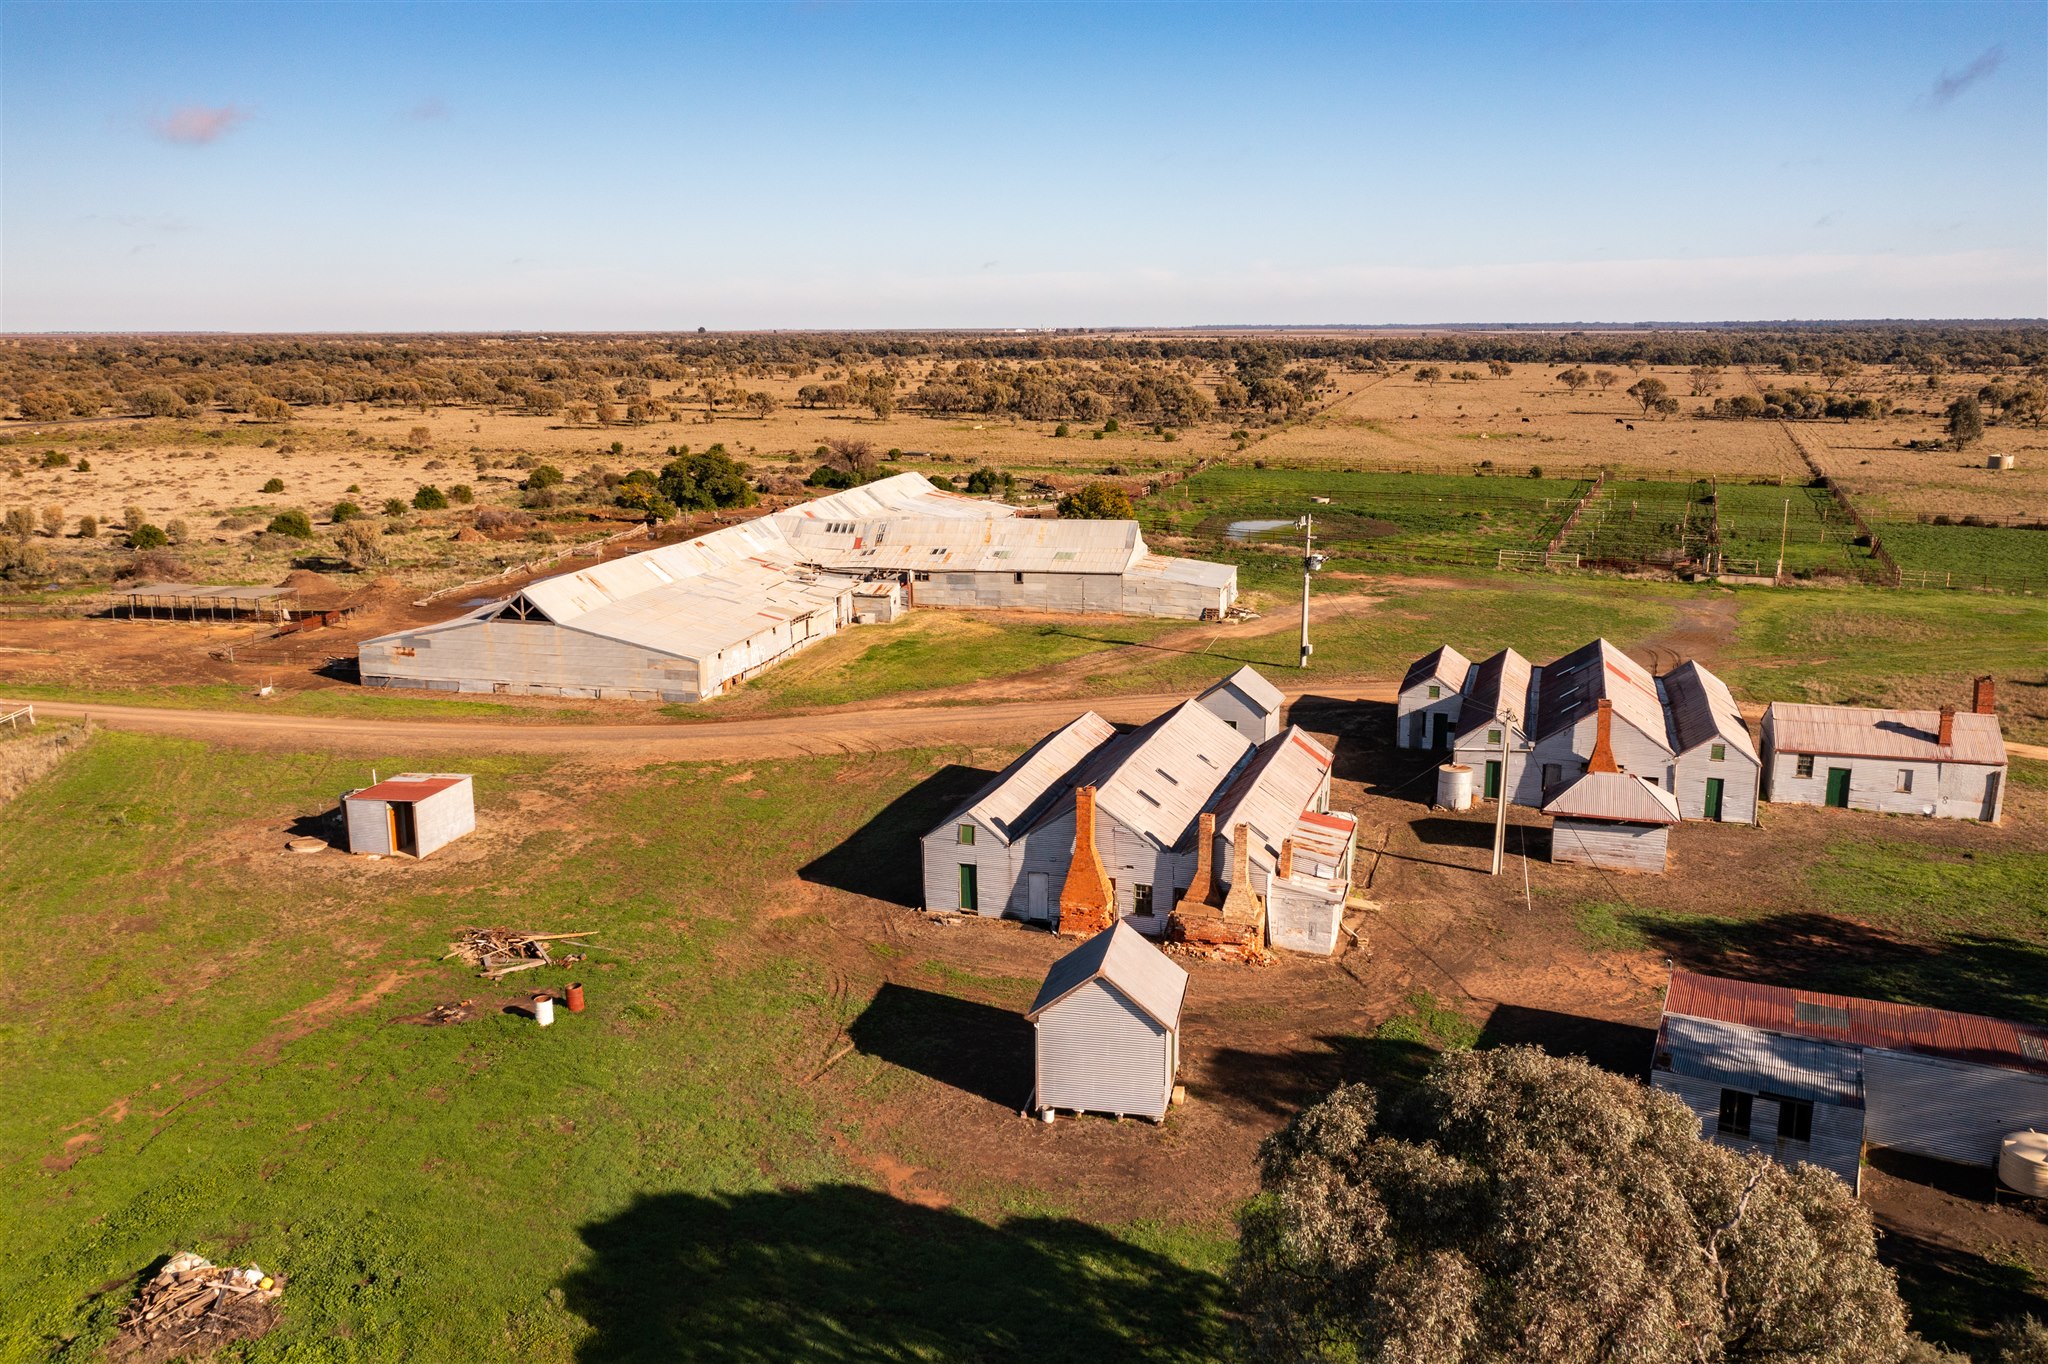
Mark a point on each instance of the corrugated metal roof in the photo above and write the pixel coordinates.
(1441, 664)
(1506, 675)
(1702, 710)
(1190, 572)
(1038, 778)
(1120, 955)
(1747, 1058)
(946, 544)
(1163, 774)
(1619, 796)
(1573, 687)
(1860, 1022)
(1856, 732)
(1277, 787)
(1254, 685)
(410, 786)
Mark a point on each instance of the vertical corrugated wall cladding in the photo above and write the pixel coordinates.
(1099, 1053)
(369, 827)
(1837, 1144)
(1934, 1107)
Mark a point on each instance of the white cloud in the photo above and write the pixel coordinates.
(195, 125)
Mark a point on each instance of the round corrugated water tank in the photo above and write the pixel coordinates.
(1454, 787)
(2023, 1163)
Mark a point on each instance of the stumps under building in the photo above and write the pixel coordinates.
(1107, 1025)
(1901, 762)
(412, 814)
(1802, 1076)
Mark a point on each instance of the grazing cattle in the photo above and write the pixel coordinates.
(1631, 426)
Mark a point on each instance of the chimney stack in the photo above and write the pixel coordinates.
(1947, 737)
(1286, 858)
(1241, 906)
(1984, 701)
(1202, 886)
(1087, 900)
(1603, 740)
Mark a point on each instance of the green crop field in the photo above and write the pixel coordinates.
(1999, 556)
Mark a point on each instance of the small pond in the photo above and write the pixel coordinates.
(1245, 530)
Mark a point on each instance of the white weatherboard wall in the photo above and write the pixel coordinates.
(1610, 844)
(1838, 1129)
(1415, 713)
(1955, 790)
(1100, 1053)
(1932, 1106)
(1741, 780)
(1301, 920)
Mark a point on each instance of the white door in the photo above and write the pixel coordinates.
(1037, 880)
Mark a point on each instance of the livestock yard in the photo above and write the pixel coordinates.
(792, 1107)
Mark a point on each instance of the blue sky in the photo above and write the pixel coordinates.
(339, 167)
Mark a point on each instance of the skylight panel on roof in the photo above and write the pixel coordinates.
(1821, 1015)
(1168, 775)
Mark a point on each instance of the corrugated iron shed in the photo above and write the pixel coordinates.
(1506, 678)
(410, 786)
(1038, 778)
(1703, 710)
(1617, 796)
(1277, 786)
(1573, 687)
(1748, 1058)
(1861, 1022)
(1254, 685)
(1856, 732)
(1146, 976)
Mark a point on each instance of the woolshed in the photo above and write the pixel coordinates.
(1901, 762)
(1247, 702)
(1608, 818)
(1095, 824)
(686, 621)
(1803, 1076)
(1426, 711)
(1682, 731)
(414, 813)
(1107, 1024)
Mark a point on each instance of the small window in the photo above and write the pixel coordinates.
(967, 835)
(1795, 1120)
(1806, 764)
(1553, 773)
(1718, 753)
(1435, 692)
(1493, 736)
(920, 577)
(1735, 1107)
(1018, 576)
(1141, 898)
(1905, 779)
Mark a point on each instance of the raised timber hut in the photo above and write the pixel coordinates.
(1802, 1076)
(412, 814)
(1107, 1025)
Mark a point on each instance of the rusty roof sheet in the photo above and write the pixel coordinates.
(1120, 955)
(1703, 710)
(408, 787)
(1618, 796)
(1849, 1021)
(1441, 664)
(1857, 732)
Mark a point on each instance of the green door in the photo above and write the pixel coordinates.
(1838, 787)
(969, 898)
(1492, 778)
(1714, 797)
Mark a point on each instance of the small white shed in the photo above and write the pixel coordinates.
(1247, 702)
(413, 813)
(1107, 1024)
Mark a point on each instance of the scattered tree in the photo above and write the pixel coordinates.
(1519, 1206)
(1704, 378)
(88, 527)
(22, 560)
(1965, 422)
(1648, 392)
(146, 536)
(53, 521)
(462, 493)
(179, 529)
(1574, 378)
(419, 438)
(395, 507)
(986, 480)
(429, 498)
(761, 403)
(700, 482)
(267, 409)
(541, 476)
(1097, 502)
(1428, 374)
(1605, 378)
(344, 511)
(19, 522)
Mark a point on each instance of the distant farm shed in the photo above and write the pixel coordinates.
(1247, 702)
(1107, 1023)
(414, 814)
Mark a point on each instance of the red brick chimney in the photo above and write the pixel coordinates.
(1984, 700)
(1947, 737)
(1202, 888)
(1242, 906)
(1286, 858)
(1087, 900)
(1603, 740)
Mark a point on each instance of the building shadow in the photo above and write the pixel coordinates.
(325, 825)
(880, 859)
(978, 1048)
(1623, 1048)
(840, 1274)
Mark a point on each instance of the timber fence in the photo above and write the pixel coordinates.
(1557, 540)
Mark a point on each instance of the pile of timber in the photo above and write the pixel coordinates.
(194, 1306)
(498, 952)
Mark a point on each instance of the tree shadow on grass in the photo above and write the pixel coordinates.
(1279, 1084)
(880, 859)
(1968, 972)
(978, 1048)
(839, 1273)
(1957, 1298)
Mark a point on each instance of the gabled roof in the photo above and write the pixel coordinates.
(1573, 687)
(1854, 732)
(1039, 777)
(1255, 687)
(1441, 664)
(1277, 787)
(1848, 1021)
(931, 544)
(1121, 956)
(1742, 1057)
(1506, 675)
(1702, 710)
(408, 787)
(1159, 777)
(1618, 796)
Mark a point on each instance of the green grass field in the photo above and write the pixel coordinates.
(1967, 555)
(357, 702)
(201, 1030)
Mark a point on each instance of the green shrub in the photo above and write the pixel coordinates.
(146, 536)
(547, 475)
(431, 498)
(344, 511)
(293, 523)
(395, 506)
(462, 493)
(275, 485)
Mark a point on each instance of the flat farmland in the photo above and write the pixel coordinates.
(1995, 556)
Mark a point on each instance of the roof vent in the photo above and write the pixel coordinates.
(1821, 1015)
(2034, 1049)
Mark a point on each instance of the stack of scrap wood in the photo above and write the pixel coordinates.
(498, 952)
(194, 1306)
